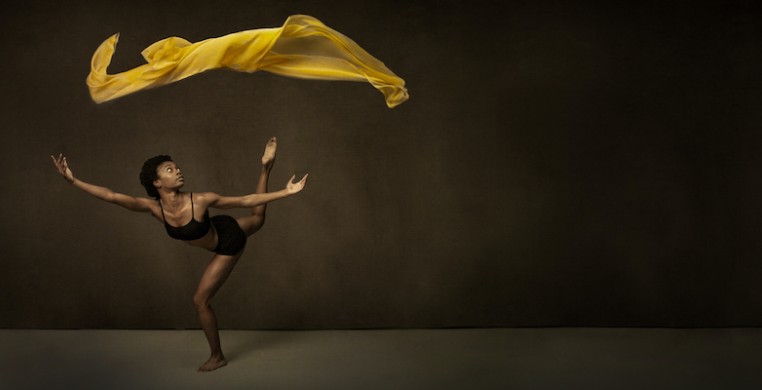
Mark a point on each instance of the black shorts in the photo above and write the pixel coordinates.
(231, 239)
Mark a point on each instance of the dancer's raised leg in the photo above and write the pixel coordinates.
(250, 224)
(214, 276)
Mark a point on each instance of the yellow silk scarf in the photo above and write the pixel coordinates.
(303, 47)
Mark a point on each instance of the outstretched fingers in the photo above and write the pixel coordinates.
(298, 186)
(58, 162)
(63, 167)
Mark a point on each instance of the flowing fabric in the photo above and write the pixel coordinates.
(303, 47)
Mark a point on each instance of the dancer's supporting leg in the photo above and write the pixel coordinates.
(250, 224)
(219, 268)
(214, 276)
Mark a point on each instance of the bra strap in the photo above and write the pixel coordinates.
(162, 212)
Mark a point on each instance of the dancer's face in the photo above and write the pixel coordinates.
(168, 176)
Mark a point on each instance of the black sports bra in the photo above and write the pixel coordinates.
(193, 230)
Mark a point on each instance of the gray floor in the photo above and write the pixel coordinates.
(544, 358)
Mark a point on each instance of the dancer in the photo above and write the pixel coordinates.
(186, 217)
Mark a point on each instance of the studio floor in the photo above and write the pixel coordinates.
(524, 358)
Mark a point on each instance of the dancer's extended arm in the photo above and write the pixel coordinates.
(251, 200)
(103, 193)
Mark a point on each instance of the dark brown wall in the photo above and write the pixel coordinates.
(555, 165)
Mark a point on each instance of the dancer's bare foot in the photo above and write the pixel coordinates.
(213, 363)
(268, 158)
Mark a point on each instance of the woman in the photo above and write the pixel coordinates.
(186, 217)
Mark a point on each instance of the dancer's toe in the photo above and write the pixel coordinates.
(268, 157)
(212, 364)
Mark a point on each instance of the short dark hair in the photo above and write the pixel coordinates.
(148, 174)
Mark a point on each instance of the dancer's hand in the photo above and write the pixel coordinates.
(292, 187)
(63, 167)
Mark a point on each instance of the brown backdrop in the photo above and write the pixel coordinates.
(556, 165)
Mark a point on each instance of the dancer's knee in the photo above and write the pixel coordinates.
(258, 221)
(201, 302)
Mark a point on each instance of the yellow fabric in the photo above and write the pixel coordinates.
(303, 47)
